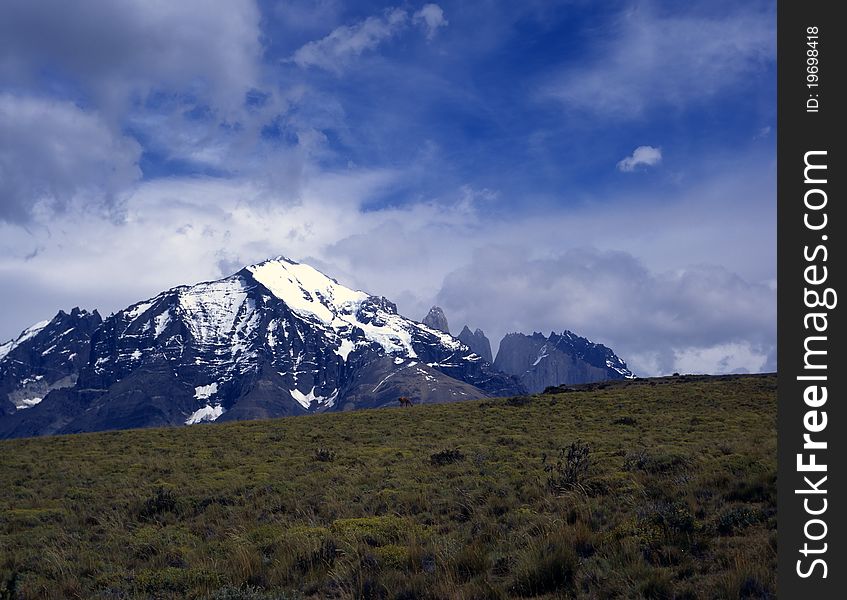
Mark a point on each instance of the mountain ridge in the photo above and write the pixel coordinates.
(276, 338)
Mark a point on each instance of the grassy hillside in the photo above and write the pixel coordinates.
(652, 488)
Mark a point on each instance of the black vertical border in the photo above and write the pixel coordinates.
(798, 132)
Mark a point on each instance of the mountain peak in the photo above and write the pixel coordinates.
(564, 358)
(477, 342)
(436, 319)
(305, 289)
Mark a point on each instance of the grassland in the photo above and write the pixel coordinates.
(654, 488)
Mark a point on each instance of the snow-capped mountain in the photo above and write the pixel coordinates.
(277, 338)
(540, 361)
(44, 357)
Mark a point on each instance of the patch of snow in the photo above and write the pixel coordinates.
(136, 354)
(49, 350)
(330, 401)
(208, 414)
(541, 355)
(134, 312)
(162, 321)
(27, 403)
(384, 379)
(272, 326)
(26, 334)
(213, 311)
(305, 400)
(71, 356)
(345, 349)
(398, 360)
(203, 392)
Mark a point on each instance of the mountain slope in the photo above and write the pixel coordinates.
(45, 357)
(540, 361)
(277, 338)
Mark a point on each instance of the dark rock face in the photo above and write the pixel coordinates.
(477, 342)
(275, 339)
(540, 361)
(45, 357)
(436, 319)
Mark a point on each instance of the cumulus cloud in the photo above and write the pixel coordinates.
(653, 61)
(53, 152)
(643, 155)
(113, 51)
(431, 18)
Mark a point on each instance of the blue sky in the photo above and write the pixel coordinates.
(607, 167)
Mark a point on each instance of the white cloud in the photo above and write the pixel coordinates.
(643, 155)
(763, 132)
(653, 61)
(52, 152)
(345, 43)
(349, 41)
(697, 319)
(431, 18)
(733, 357)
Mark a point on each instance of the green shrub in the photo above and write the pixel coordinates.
(446, 457)
(655, 463)
(374, 531)
(324, 455)
(162, 501)
(737, 519)
(249, 592)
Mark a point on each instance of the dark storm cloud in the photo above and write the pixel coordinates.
(104, 51)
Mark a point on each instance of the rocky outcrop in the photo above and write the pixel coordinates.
(44, 357)
(539, 361)
(436, 319)
(477, 342)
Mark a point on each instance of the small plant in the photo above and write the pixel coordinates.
(518, 401)
(570, 470)
(736, 519)
(624, 421)
(324, 455)
(446, 457)
(672, 517)
(161, 502)
(655, 463)
(248, 592)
